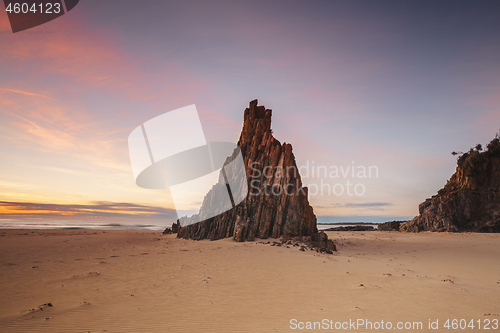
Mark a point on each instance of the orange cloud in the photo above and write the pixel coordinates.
(82, 152)
(91, 62)
(94, 209)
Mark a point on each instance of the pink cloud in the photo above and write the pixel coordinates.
(91, 61)
(26, 93)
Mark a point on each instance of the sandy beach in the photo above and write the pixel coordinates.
(143, 281)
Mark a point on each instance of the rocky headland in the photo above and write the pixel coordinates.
(470, 200)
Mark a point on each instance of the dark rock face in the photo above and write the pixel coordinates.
(390, 226)
(176, 227)
(276, 204)
(470, 201)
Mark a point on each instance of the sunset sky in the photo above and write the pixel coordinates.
(394, 84)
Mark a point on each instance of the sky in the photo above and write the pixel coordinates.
(392, 85)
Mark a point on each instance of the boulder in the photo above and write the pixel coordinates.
(390, 226)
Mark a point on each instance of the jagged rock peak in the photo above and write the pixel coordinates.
(257, 122)
(276, 205)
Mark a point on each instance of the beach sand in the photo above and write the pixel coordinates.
(142, 281)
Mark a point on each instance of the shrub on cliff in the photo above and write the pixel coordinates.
(493, 148)
(472, 161)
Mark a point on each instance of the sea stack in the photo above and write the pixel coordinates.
(470, 201)
(276, 205)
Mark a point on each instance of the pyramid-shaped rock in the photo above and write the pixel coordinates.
(276, 204)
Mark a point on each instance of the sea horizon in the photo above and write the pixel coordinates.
(84, 224)
(122, 223)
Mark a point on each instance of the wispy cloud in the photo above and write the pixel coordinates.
(95, 209)
(362, 218)
(26, 93)
(364, 204)
(9, 184)
(372, 206)
(50, 126)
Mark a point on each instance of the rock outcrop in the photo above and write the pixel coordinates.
(318, 242)
(470, 201)
(173, 230)
(390, 226)
(352, 228)
(276, 205)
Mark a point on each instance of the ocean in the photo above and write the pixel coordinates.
(87, 224)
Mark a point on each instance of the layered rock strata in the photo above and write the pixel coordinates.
(276, 205)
